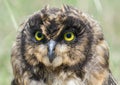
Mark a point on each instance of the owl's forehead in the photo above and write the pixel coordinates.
(52, 21)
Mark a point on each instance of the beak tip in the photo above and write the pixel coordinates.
(51, 57)
(51, 48)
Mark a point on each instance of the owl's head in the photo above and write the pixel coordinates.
(56, 37)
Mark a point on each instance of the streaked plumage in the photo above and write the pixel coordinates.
(60, 47)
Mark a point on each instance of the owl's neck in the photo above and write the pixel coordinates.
(62, 72)
(66, 78)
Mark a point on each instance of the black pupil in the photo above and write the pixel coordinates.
(39, 34)
(68, 35)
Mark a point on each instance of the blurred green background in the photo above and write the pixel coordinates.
(13, 12)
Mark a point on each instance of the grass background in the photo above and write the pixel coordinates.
(13, 12)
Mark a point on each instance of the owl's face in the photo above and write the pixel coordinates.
(56, 37)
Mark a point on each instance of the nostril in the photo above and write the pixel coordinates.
(51, 45)
(54, 49)
(51, 49)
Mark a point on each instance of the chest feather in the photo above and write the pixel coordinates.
(65, 79)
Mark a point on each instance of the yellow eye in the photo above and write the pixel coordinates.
(38, 36)
(69, 36)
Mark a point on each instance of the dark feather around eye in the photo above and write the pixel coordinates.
(35, 20)
(34, 23)
(75, 24)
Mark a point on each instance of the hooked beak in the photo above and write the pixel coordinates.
(51, 48)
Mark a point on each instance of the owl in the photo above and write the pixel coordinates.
(60, 46)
